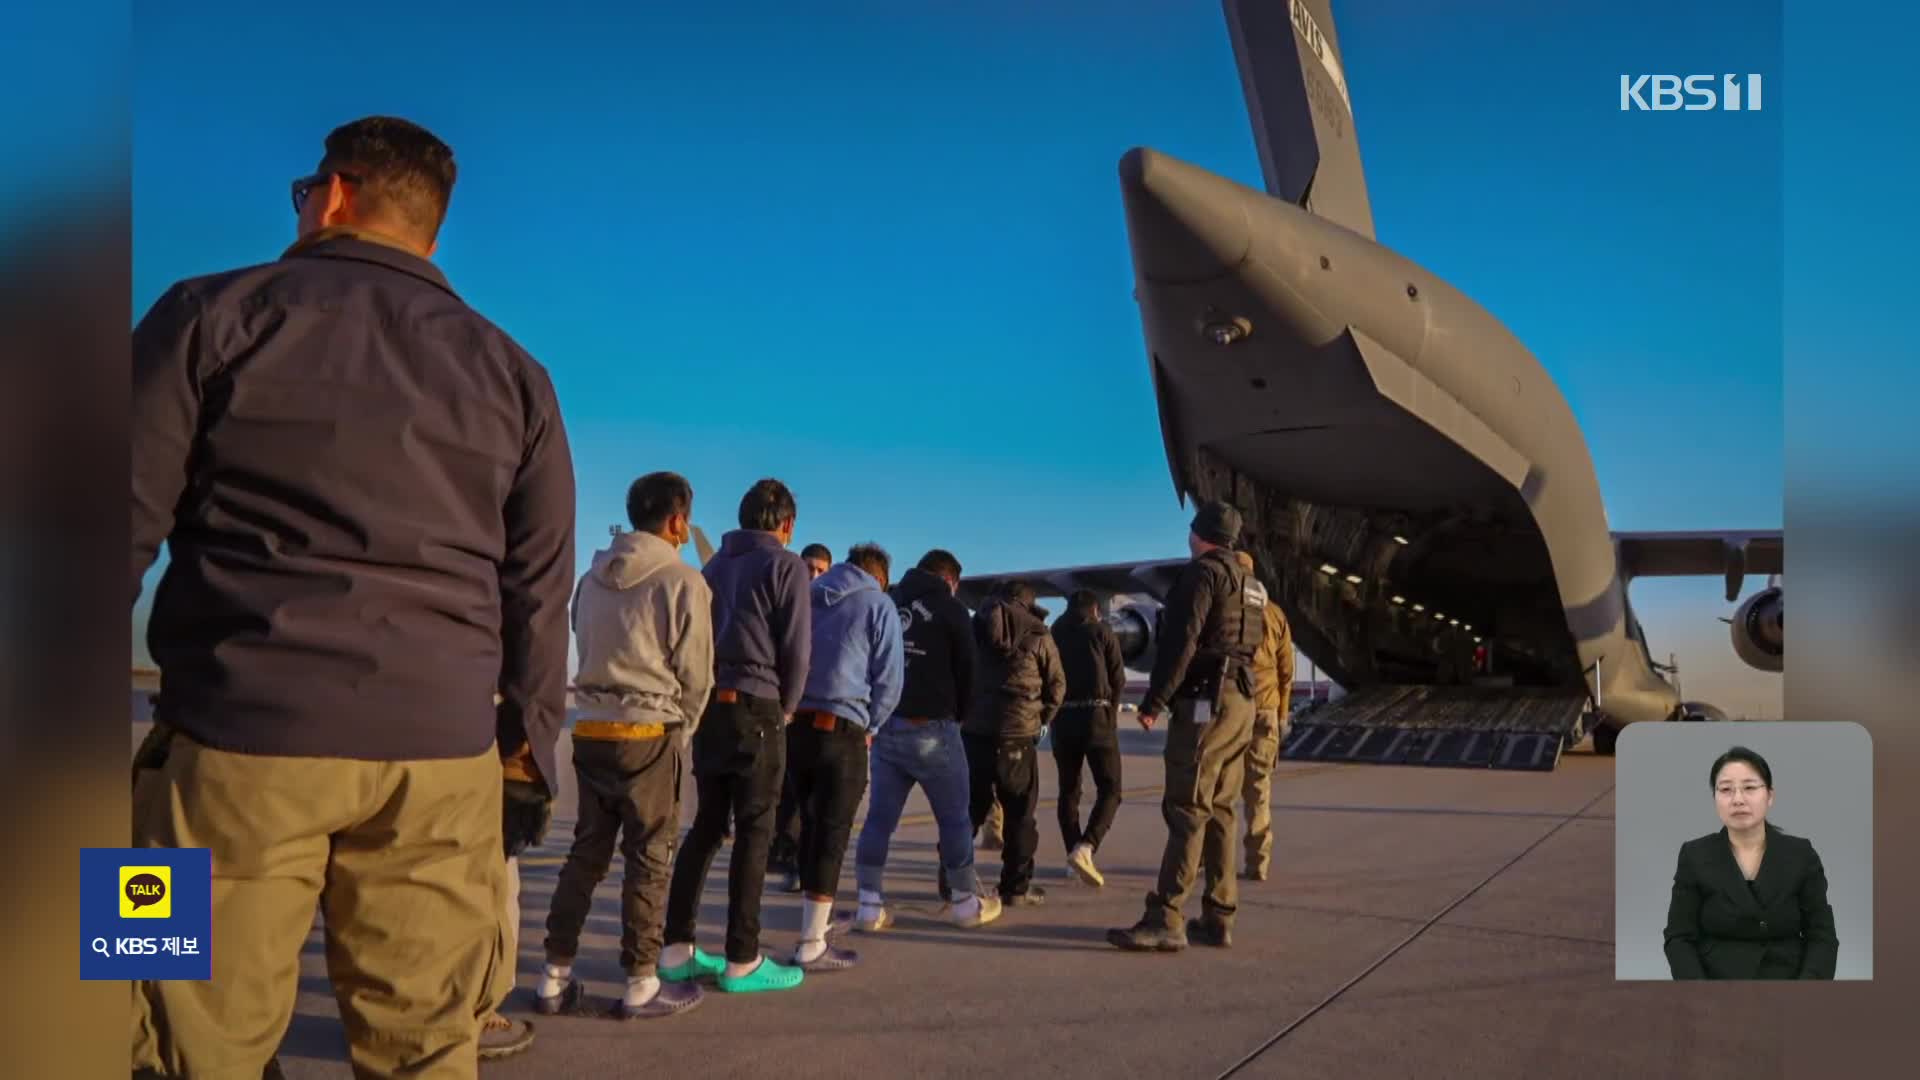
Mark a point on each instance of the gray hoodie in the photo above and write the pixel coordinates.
(643, 621)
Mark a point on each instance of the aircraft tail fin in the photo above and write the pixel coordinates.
(1297, 99)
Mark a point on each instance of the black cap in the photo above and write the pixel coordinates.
(1218, 524)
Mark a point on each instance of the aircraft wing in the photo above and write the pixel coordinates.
(1689, 554)
(1133, 578)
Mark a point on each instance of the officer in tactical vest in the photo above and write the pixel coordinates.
(1214, 622)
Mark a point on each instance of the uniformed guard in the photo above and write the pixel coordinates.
(1214, 622)
(1272, 694)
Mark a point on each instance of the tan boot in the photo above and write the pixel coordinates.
(501, 1037)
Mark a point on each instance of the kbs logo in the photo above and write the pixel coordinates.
(144, 892)
(1694, 93)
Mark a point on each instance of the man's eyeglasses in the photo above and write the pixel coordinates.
(305, 186)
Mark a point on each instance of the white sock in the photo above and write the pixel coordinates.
(871, 905)
(640, 989)
(965, 905)
(674, 956)
(1086, 848)
(555, 979)
(735, 971)
(814, 915)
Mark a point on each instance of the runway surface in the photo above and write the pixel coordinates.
(1419, 922)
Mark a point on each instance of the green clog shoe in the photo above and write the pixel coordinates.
(770, 975)
(703, 965)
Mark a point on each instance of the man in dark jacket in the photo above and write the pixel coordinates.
(783, 857)
(1212, 628)
(370, 519)
(1021, 689)
(762, 644)
(921, 745)
(1085, 731)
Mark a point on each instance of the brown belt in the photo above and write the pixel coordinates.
(918, 721)
(823, 721)
(726, 697)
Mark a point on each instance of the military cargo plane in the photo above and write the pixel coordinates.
(1417, 493)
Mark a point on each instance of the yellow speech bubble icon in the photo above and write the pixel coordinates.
(146, 892)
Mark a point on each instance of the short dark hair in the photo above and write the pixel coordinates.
(1084, 600)
(816, 551)
(1741, 753)
(872, 558)
(656, 497)
(1021, 593)
(405, 173)
(939, 561)
(766, 506)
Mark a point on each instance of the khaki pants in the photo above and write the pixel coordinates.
(507, 968)
(1257, 790)
(404, 860)
(1205, 767)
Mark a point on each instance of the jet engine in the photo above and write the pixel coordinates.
(1759, 630)
(1137, 625)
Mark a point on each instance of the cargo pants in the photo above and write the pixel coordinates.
(404, 860)
(1205, 766)
(1262, 752)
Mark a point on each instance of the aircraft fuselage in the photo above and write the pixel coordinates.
(1412, 479)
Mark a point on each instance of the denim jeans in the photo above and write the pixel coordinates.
(931, 755)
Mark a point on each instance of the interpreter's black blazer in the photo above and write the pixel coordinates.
(1779, 926)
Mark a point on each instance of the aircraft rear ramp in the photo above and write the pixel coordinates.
(1486, 727)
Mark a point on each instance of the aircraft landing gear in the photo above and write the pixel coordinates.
(1604, 737)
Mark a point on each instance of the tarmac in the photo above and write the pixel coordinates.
(1428, 922)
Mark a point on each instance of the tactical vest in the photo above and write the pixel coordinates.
(1237, 622)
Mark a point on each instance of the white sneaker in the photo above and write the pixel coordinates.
(1081, 863)
(984, 912)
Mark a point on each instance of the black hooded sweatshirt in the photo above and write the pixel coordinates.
(1095, 669)
(938, 637)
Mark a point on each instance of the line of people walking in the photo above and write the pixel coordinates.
(368, 496)
(791, 682)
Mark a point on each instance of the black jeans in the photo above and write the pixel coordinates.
(786, 823)
(829, 780)
(629, 793)
(1007, 769)
(1074, 745)
(739, 755)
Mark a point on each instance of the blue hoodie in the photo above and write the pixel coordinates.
(760, 622)
(859, 664)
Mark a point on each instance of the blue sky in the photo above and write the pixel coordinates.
(881, 254)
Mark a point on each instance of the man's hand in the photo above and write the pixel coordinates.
(525, 807)
(519, 765)
(1146, 721)
(525, 811)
